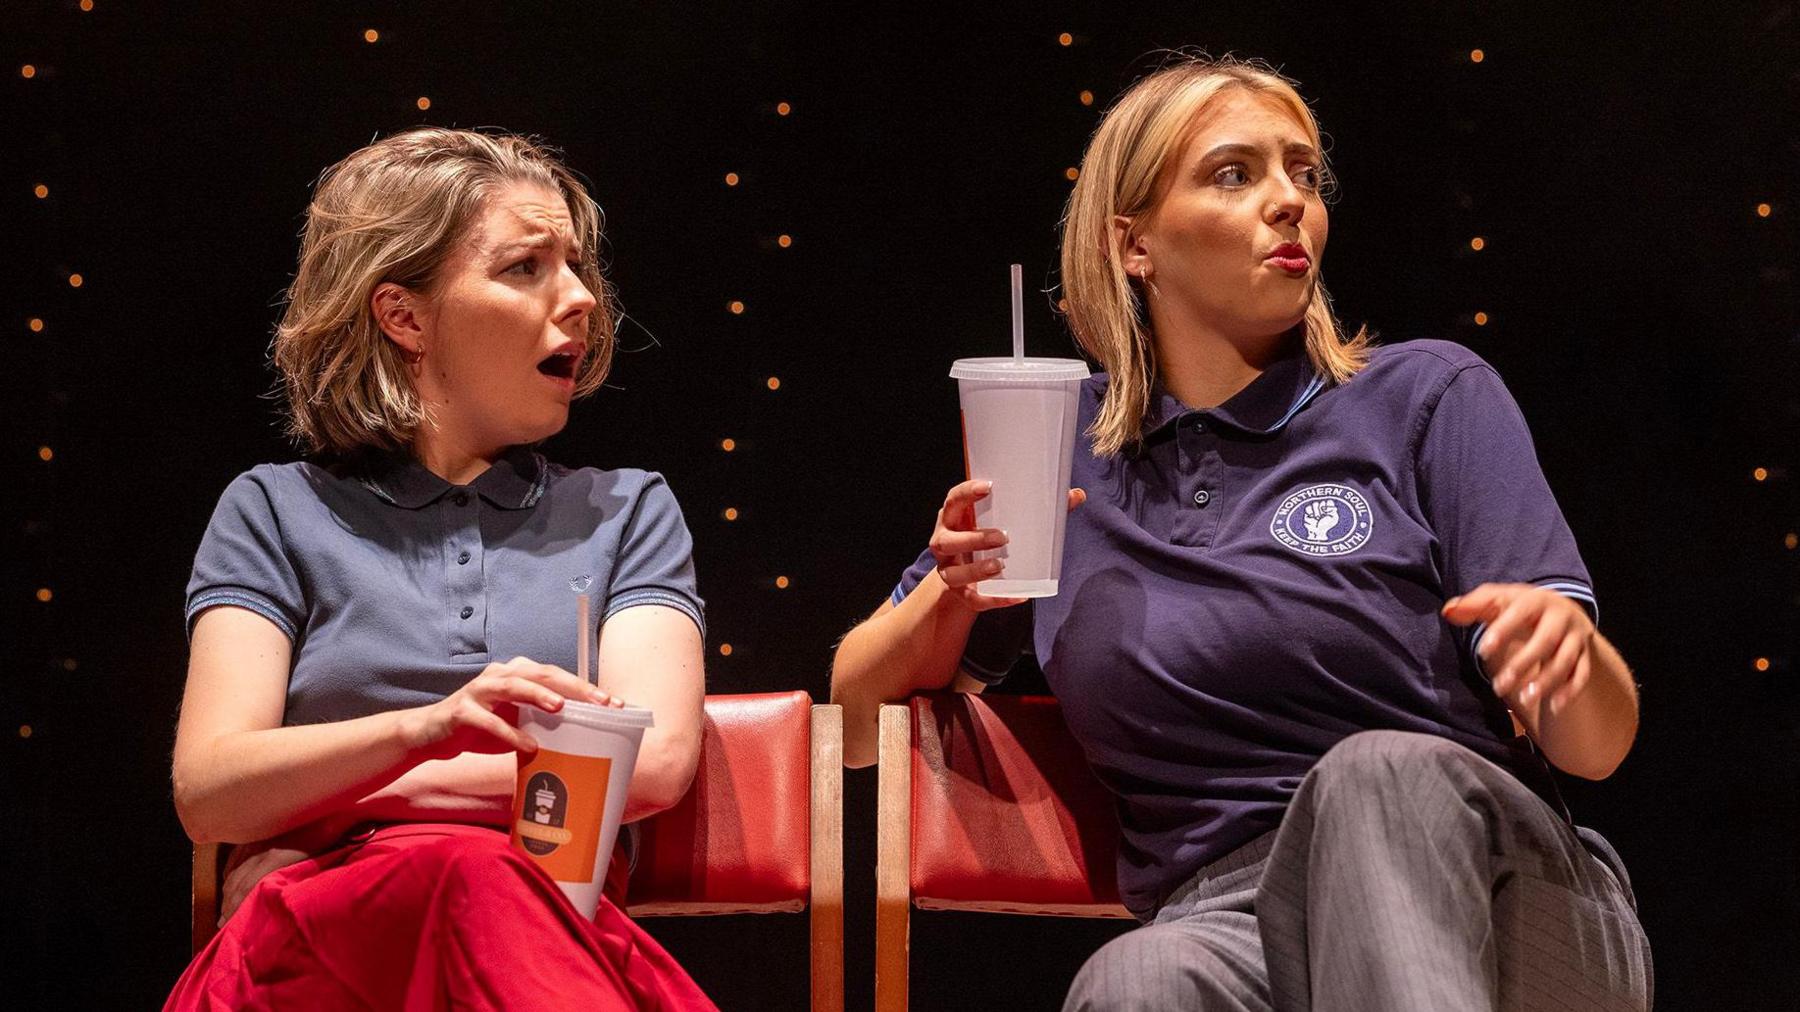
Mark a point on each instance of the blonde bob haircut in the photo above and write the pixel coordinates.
(1125, 172)
(396, 211)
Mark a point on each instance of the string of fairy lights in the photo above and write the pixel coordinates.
(44, 191)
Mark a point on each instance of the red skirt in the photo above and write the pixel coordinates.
(429, 916)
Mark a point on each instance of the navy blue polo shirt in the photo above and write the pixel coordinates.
(397, 587)
(1257, 581)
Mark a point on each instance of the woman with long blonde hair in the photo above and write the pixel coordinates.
(366, 623)
(1310, 587)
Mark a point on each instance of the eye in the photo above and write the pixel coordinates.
(576, 266)
(527, 267)
(1309, 176)
(1231, 175)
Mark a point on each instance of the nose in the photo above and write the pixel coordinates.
(576, 301)
(1288, 205)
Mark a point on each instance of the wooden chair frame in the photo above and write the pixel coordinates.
(893, 867)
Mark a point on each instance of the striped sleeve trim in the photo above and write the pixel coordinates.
(668, 599)
(898, 595)
(1579, 592)
(240, 598)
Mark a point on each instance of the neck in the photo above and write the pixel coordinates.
(454, 459)
(1203, 366)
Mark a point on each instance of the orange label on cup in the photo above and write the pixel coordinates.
(557, 814)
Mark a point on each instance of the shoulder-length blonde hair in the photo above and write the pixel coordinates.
(395, 211)
(1124, 173)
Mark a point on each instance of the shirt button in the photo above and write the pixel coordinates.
(1199, 425)
(1202, 497)
(463, 559)
(461, 499)
(467, 611)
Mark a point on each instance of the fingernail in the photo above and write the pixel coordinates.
(1529, 691)
(1452, 602)
(986, 486)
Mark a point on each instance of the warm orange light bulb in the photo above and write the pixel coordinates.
(43, 594)
(87, 5)
(731, 513)
(41, 190)
(1478, 244)
(24, 730)
(1481, 319)
(36, 325)
(736, 307)
(46, 454)
(1476, 56)
(1792, 541)
(1066, 39)
(781, 582)
(731, 179)
(728, 445)
(724, 650)
(75, 281)
(1087, 97)
(782, 108)
(1762, 664)
(1071, 173)
(784, 241)
(774, 383)
(1764, 210)
(423, 103)
(371, 35)
(1760, 474)
(28, 71)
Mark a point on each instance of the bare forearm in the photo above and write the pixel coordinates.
(914, 645)
(251, 785)
(1592, 734)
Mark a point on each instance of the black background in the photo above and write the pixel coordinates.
(1641, 310)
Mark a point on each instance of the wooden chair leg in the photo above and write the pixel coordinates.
(893, 860)
(204, 910)
(827, 873)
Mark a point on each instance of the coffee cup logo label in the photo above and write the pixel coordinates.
(558, 812)
(540, 825)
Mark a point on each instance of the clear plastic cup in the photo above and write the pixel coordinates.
(571, 795)
(1018, 418)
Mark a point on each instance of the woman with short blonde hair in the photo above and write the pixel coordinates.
(348, 723)
(1307, 586)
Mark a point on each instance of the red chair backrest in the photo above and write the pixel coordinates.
(740, 841)
(1006, 815)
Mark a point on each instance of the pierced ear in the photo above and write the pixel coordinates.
(1129, 246)
(396, 312)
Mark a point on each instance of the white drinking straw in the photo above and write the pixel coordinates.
(1018, 307)
(581, 652)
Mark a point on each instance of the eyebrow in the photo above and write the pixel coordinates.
(1290, 148)
(538, 241)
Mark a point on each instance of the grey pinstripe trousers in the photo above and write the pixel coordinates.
(1408, 874)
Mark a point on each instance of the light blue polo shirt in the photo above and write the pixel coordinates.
(397, 587)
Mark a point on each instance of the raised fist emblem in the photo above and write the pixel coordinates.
(1320, 517)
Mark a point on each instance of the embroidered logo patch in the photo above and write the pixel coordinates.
(1323, 520)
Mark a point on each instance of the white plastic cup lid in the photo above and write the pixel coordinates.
(1027, 370)
(605, 718)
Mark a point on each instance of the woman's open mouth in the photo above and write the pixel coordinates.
(561, 367)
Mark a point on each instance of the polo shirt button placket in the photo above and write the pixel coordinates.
(1202, 497)
(467, 611)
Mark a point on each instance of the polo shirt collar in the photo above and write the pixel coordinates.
(1261, 409)
(514, 482)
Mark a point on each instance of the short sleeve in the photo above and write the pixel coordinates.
(1486, 500)
(656, 558)
(996, 639)
(243, 560)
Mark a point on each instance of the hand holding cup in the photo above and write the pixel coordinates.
(481, 716)
(956, 538)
